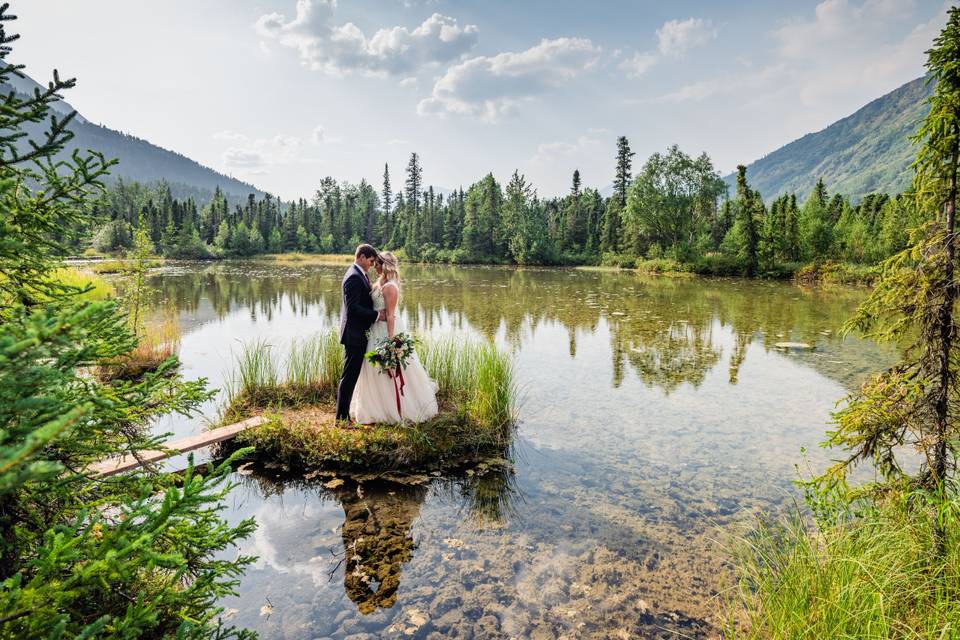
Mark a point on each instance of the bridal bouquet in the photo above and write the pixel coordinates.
(390, 355)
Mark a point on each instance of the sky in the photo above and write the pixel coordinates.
(282, 93)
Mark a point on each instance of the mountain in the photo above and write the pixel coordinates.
(138, 159)
(866, 152)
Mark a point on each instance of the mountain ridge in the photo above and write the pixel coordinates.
(868, 151)
(139, 159)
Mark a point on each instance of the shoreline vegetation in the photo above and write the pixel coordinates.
(881, 559)
(296, 392)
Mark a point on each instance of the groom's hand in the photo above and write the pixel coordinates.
(382, 315)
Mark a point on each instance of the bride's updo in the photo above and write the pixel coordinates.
(391, 268)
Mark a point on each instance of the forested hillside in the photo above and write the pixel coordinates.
(140, 160)
(866, 152)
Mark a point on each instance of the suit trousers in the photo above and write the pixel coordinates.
(352, 362)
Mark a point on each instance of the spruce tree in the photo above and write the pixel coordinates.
(141, 555)
(914, 405)
(745, 206)
(622, 177)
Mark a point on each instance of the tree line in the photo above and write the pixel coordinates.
(676, 207)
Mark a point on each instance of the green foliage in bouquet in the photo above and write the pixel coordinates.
(390, 353)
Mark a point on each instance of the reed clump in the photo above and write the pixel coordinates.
(297, 391)
(869, 576)
(158, 340)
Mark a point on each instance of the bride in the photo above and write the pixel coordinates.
(375, 397)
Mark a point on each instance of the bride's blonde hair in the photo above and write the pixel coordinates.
(391, 267)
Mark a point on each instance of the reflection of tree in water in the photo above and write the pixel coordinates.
(676, 354)
(644, 314)
(377, 540)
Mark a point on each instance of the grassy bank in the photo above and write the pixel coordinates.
(297, 390)
(873, 576)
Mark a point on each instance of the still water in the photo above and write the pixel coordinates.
(656, 416)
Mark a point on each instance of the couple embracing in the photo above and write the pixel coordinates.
(366, 394)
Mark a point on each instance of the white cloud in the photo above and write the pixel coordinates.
(638, 64)
(228, 135)
(242, 158)
(326, 46)
(318, 134)
(488, 87)
(845, 54)
(549, 153)
(676, 37)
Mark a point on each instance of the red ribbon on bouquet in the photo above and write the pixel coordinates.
(398, 391)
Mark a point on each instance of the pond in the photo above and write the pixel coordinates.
(656, 417)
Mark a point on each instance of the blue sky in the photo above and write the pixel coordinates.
(284, 92)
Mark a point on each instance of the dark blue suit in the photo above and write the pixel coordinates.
(356, 316)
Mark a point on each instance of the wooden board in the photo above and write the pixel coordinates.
(112, 466)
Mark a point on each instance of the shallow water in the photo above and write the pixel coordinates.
(656, 417)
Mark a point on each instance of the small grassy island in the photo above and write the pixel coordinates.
(297, 394)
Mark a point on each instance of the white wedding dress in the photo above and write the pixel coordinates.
(375, 397)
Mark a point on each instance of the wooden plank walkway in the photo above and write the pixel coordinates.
(113, 466)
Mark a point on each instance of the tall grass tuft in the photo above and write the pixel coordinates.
(875, 576)
(159, 340)
(314, 364)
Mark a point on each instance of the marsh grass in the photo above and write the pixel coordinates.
(873, 576)
(159, 340)
(100, 289)
(308, 258)
(120, 266)
(297, 392)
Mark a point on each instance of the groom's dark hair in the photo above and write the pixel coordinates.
(365, 251)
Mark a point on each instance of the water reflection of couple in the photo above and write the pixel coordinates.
(378, 518)
(369, 315)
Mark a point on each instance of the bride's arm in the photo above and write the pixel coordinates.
(390, 299)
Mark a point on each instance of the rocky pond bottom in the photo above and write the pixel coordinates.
(431, 557)
(656, 418)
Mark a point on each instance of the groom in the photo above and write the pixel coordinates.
(356, 316)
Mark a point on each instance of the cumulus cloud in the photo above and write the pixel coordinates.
(638, 64)
(676, 37)
(851, 50)
(488, 87)
(549, 153)
(319, 134)
(252, 155)
(846, 53)
(242, 158)
(326, 46)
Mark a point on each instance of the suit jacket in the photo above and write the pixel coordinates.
(356, 314)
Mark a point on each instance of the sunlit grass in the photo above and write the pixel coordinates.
(876, 576)
(119, 266)
(308, 258)
(80, 279)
